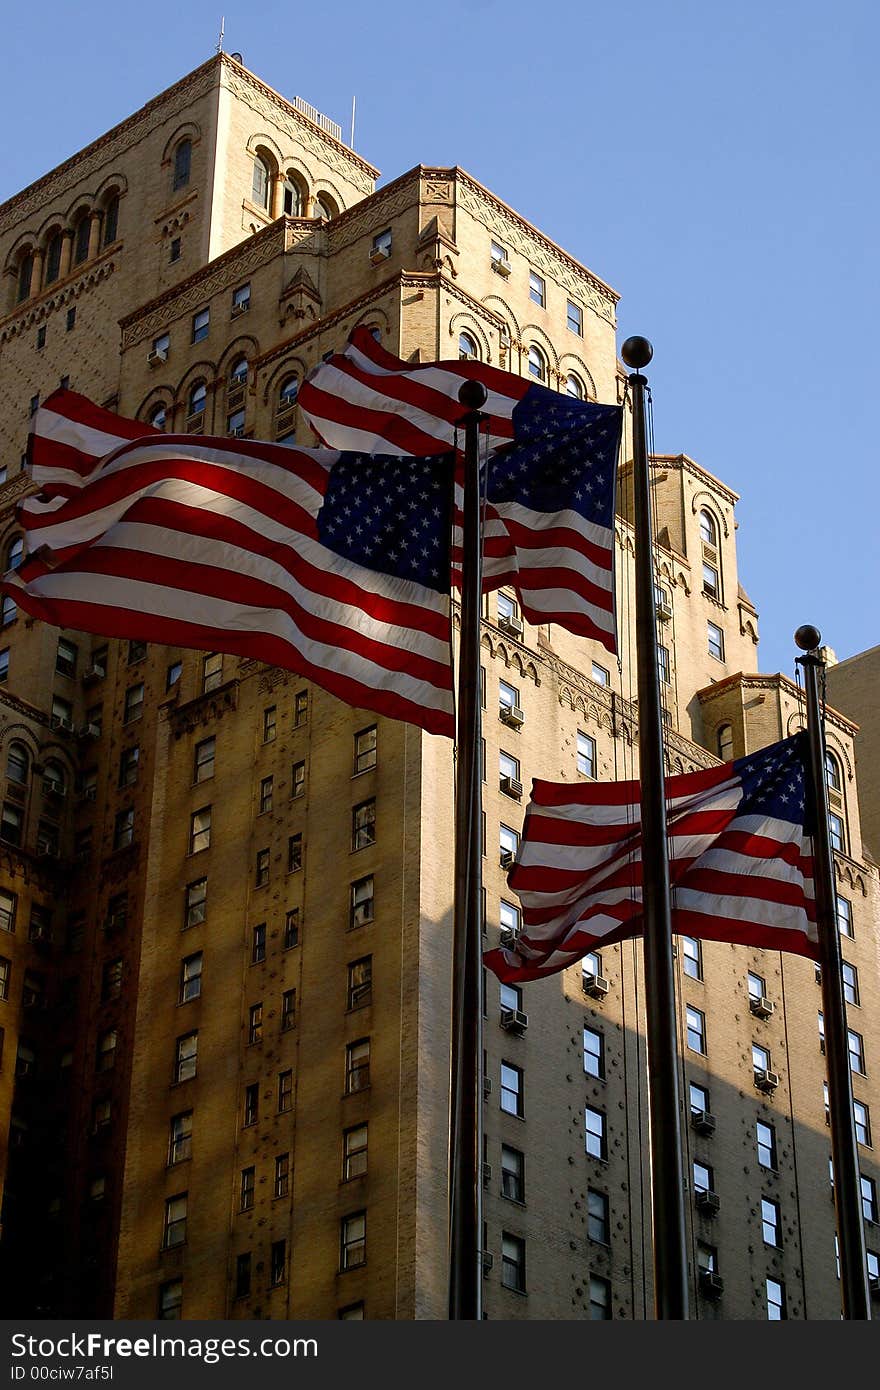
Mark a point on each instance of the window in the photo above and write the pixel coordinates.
(62, 713)
(260, 183)
(18, 764)
(287, 394)
(258, 943)
(294, 853)
(128, 766)
(277, 1263)
(663, 664)
(182, 163)
(382, 244)
(174, 1232)
(282, 1175)
(134, 703)
(862, 1119)
(173, 673)
(5, 971)
(357, 1066)
(508, 843)
(25, 274)
(65, 657)
(711, 583)
(837, 832)
(53, 258)
(255, 1023)
(856, 1049)
(241, 302)
(361, 904)
(293, 198)
(212, 671)
(537, 364)
(574, 318)
(507, 609)
(246, 1189)
(511, 997)
(105, 1054)
(200, 830)
(597, 1216)
(508, 696)
(698, 1097)
(756, 985)
(360, 983)
(766, 1140)
(180, 1138)
(508, 769)
(467, 348)
(203, 763)
(9, 611)
(174, 252)
(354, 1152)
(600, 1299)
(201, 323)
(266, 785)
(601, 675)
(845, 917)
(4, 665)
(111, 220)
(594, 1053)
(11, 824)
(288, 1010)
(692, 957)
(298, 780)
(498, 254)
(850, 983)
(365, 749)
(760, 1058)
(595, 1137)
(513, 1183)
(512, 1094)
(251, 1104)
(363, 824)
(513, 1262)
(537, 289)
(123, 828)
(111, 980)
(270, 724)
(724, 742)
(197, 400)
(243, 1274)
(190, 977)
(715, 640)
(703, 1178)
(586, 755)
(291, 929)
(708, 528)
(592, 964)
(696, 1029)
(869, 1198)
(235, 422)
(186, 1056)
(285, 1091)
(261, 877)
(300, 708)
(195, 903)
(776, 1310)
(770, 1223)
(8, 905)
(353, 1240)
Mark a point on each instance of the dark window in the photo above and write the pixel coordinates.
(600, 1299)
(251, 1104)
(597, 1216)
(53, 258)
(513, 1183)
(195, 902)
(361, 904)
(243, 1275)
(180, 1137)
(291, 929)
(288, 1009)
(360, 983)
(174, 253)
(175, 1221)
(595, 1132)
(357, 1066)
(277, 1263)
(354, 1152)
(111, 220)
(186, 1056)
(255, 1023)
(365, 749)
(285, 1090)
(353, 1240)
(294, 853)
(246, 1189)
(363, 825)
(182, 163)
(190, 977)
(258, 943)
(513, 1262)
(282, 1175)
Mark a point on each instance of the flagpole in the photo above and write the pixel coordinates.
(667, 1187)
(854, 1294)
(466, 1112)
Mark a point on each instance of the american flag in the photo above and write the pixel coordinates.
(333, 565)
(549, 479)
(741, 862)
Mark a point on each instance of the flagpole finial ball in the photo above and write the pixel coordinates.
(808, 638)
(637, 353)
(472, 394)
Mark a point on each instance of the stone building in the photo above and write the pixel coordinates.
(225, 897)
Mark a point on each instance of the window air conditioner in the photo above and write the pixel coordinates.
(703, 1122)
(708, 1202)
(501, 266)
(487, 1087)
(514, 1020)
(711, 1284)
(61, 721)
(511, 715)
(595, 985)
(512, 787)
(508, 936)
(487, 1262)
(487, 1174)
(380, 254)
(93, 674)
(664, 609)
(761, 1007)
(766, 1080)
(512, 625)
(157, 355)
(239, 309)
(506, 858)
(90, 731)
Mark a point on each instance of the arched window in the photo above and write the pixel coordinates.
(325, 207)
(158, 416)
(467, 347)
(832, 774)
(25, 274)
(261, 184)
(285, 410)
(182, 163)
(8, 610)
(55, 778)
(53, 258)
(197, 398)
(574, 387)
(537, 364)
(239, 372)
(708, 528)
(111, 219)
(725, 742)
(18, 763)
(81, 242)
(288, 392)
(15, 553)
(294, 201)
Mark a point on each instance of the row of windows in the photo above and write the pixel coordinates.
(287, 195)
(695, 1028)
(62, 247)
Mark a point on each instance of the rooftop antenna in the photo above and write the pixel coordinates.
(353, 104)
(222, 29)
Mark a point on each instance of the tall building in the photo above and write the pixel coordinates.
(226, 898)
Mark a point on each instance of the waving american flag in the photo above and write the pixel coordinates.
(741, 862)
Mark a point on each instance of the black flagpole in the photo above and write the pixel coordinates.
(854, 1295)
(667, 1186)
(466, 1112)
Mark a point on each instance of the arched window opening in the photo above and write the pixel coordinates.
(725, 742)
(574, 387)
(15, 553)
(708, 528)
(81, 241)
(325, 207)
(288, 392)
(55, 779)
(285, 411)
(198, 397)
(537, 364)
(467, 348)
(182, 165)
(25, 275)
(261, 184)
(18, 763)
(53, 258)
(111, 219)
(833, 778)
(294, 202)
(239, 372)
(158, 416)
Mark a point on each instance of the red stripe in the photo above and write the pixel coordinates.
(384, 425)
(493, 378)
(712, 928)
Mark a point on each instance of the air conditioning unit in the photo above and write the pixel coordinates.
(511, 625)
(506, 858)
(501, 266)
(48, 852)
(61, 721)
(237, 433)
(195, 424)
(52, 789)
(766, 1080)
(508, 936)
(703, 1122)
(380, 254)
(88, 794)
(93, 674)
(664, 609)
(115, 922)
(487, 1261)
(874, 1285)
(90, 731)
(239, 309)
(711, 1284)
(761, 1006)
(514, 1020)
(156, 356)
(595, 985)
(511, 787)
(512, 715)
(708, 1202)
(487, 1174)
(487, 1087)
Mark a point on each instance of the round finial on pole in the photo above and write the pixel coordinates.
(472, 394)
(637, 353)
(808, 638)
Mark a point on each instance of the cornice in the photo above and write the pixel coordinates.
(686, 464)
(204, 708)
(778, 681)
(22, 708)
(12, 492)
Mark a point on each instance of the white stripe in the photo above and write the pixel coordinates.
(61, 429)
(444, 380)
(741, 909)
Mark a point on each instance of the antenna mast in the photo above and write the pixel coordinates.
(222, 29)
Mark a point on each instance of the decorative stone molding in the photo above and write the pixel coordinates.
(58, 296)
(204, 709)
(364, 218)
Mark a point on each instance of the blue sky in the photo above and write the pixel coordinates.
(717, 166)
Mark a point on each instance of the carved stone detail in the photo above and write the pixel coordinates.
(204, 709)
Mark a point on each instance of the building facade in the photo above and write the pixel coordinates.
(226, 898)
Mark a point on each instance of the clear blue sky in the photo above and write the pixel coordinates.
(716, 164)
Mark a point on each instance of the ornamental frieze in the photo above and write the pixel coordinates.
(204, 709)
